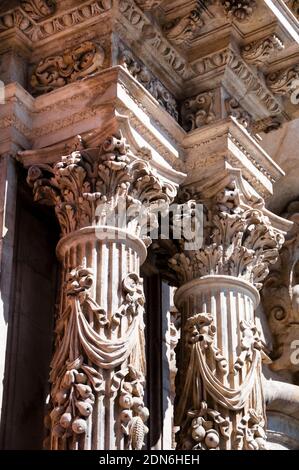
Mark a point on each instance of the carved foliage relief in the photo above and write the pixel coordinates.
(73, 64)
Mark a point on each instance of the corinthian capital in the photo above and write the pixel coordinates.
(239, 241)
(90, 187)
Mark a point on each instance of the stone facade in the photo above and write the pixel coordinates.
(115, 335)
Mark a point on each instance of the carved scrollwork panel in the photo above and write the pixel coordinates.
(74, 64)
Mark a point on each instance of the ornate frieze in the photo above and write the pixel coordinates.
(240, 10)
(152, 84)
(258, 52)
(230, 61)
(74, 64)
(282, 81)
(198, 111)
(39, 9)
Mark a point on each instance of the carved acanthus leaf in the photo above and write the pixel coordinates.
(240, 10)
(284, 81)
(182, 30)
(39, 9)
(73, 64)
(259, 51)
(198, 111)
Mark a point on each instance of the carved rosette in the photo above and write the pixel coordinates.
(103, 198)
(220, 401)
(240, 10)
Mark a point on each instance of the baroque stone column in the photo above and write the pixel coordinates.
(103, 198)
(220, 402)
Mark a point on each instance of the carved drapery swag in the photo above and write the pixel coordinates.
(220, 402)
(98, 368)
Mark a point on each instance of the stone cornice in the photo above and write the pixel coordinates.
(86, 13)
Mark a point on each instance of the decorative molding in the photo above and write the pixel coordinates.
(228, 58)
(39, 9)
(148, 5)
(152, 84)
(294, 6)
(282, 81)
(181, 30)
(198, 111)
(253, 83)
(37, 32)
(258, 52)
(153, 39)
(240, 10)
(74, 64)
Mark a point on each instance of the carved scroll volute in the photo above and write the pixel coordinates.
(98, 368)
(219, 396)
